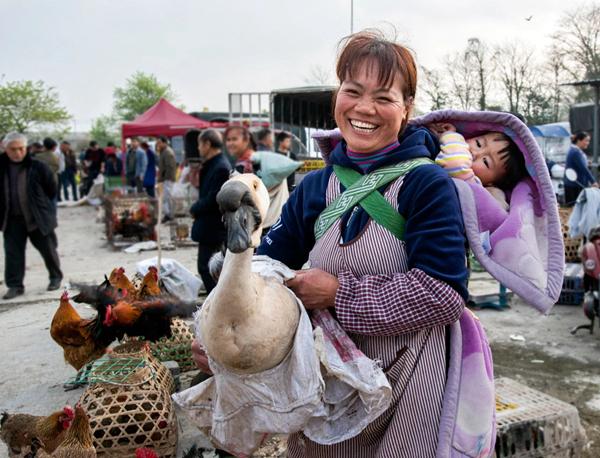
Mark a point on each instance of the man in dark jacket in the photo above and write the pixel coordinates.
(208, 229)
(27, 189)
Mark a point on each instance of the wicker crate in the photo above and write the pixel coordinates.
(133, 410)
(572, 248)
(181, 205)
(178, 347)
(143, 213)
(572, 245)
(181, 232)
(533, 424)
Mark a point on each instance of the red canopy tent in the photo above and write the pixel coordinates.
(162, 119)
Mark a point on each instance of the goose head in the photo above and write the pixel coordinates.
(243, 201)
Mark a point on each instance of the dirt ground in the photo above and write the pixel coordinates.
(535, 350)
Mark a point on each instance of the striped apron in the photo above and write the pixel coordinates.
(415, 363)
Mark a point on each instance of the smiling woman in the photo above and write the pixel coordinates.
(389, 258)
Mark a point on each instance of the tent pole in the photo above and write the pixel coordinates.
(595, 147)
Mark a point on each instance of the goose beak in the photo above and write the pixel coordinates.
(240, 215)
(239, 232)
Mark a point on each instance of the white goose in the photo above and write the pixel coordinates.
(249, 321)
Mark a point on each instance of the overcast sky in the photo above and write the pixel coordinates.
(206, 49)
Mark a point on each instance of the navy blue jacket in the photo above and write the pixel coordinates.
(577, 161)
(434, 232)
(208, 228)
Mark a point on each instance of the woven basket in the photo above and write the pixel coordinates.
(136, 412)
(572, 245)
(116, 206)
(178, 347)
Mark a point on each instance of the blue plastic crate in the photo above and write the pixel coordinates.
(572, 283)
(571, 297)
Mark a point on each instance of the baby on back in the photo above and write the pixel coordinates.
(490, 159)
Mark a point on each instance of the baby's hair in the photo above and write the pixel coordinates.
(514, 163)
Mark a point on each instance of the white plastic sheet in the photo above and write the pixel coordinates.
(325, 387)
(177, 279)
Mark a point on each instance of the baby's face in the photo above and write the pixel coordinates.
(488, 164)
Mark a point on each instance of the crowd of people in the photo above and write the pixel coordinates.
(56, 173)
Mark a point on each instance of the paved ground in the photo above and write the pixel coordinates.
(544, 355)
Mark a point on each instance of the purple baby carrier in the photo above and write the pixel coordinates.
(522, 248)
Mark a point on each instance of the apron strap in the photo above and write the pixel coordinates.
(363, 190)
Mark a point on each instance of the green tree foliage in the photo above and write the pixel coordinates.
(27, 104)
(104, 129)
(141, 91)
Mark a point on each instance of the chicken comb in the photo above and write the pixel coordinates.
(145, 453)
(68, 410)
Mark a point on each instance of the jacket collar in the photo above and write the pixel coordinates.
(415, 142)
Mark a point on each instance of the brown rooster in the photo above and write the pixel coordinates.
(77, 443)
(73, 334)
(149, 286)
(18, 430)
(119, 280)
(150, 318)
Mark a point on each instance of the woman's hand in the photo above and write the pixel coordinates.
(200, 358)
(440, 128)
(315, 288)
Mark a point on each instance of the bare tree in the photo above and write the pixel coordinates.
(577, 40)
(463, 79)
(556, 73)
(483, 63)
(434, 87)
(318, 76)
(517, 73)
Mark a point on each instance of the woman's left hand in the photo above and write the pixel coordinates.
(315, 288)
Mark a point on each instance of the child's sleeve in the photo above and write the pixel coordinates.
(455, 157)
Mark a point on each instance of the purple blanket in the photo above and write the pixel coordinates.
(521, 248)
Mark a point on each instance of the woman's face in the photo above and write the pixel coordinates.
(235, 142)
(583, 143)
(369, 115)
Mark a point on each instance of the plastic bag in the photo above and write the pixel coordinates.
(176, 278)
(274, 167)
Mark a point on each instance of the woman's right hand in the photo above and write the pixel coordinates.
(200, 358)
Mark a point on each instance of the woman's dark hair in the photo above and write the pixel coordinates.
(392, 61)
(578, 136)
(211, 136)
(514, 164)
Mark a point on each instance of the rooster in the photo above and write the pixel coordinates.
(119, 280)
(149, 286)
(121, 312)
(18, 430)
(74, 335)
(150, 319)
(78, 441)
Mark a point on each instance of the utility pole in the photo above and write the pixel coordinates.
(351, 17)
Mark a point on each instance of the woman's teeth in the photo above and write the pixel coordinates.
(362, 126)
